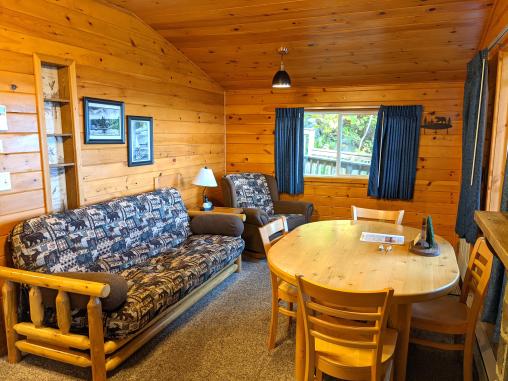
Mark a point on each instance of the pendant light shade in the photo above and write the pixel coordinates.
(281, 78)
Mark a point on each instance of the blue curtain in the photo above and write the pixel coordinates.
(289, 149)
(395, 152)
(473, 137)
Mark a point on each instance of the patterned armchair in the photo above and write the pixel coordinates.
(258, 195)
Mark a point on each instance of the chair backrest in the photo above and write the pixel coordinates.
(394, 216)
(476, 279)
(354, 320)
(250, 190)
(277, 226)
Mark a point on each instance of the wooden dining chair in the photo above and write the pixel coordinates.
(282, 291)
(345, 332)
(394, 216)
(457, 316)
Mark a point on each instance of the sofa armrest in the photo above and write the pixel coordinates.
(256, 217)
(218, 224)
(61, 283)
(294, 207)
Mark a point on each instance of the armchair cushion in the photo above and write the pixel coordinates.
(219, 224)
(117, 295)
(252, 191)
(256, 217)
(294, 207)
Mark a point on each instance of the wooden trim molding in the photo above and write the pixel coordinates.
(499, 147)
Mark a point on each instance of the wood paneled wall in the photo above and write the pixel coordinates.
(250, 142)
(118, 57)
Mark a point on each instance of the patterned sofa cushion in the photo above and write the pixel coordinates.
(75, 240)
(252, 191)
(161, 281)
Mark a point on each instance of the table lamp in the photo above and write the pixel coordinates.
(206, 179)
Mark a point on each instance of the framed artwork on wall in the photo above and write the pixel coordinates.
(140, 141)
(104, 121)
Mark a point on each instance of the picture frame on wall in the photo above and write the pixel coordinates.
(140, 140)
(104, 121)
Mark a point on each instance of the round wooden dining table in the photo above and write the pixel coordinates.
(331, 254)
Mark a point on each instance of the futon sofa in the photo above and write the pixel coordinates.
(258, 195)
(146, 240)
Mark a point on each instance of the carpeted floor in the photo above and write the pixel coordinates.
(223, 337)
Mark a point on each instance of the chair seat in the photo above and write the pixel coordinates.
(287, 292)
(443, 315)
(347, 357)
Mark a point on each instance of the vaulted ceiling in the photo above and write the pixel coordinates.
(331, 42)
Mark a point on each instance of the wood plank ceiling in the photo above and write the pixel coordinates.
(331, 42)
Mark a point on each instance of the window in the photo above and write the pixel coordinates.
(338, 143)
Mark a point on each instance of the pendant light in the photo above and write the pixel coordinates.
(281, 78)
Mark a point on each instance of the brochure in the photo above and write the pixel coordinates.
(382, 238)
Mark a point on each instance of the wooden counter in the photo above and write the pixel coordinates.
(494, 226)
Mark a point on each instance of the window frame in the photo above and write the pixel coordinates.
(340, 112)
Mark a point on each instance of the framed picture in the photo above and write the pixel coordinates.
(104, 121)
(140, 143)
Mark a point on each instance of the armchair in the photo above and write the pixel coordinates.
(258, 195)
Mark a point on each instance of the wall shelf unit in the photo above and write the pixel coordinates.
(56, 100)
(58, 117)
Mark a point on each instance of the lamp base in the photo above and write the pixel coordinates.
(207, 205)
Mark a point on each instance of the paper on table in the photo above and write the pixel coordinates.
(382, 238)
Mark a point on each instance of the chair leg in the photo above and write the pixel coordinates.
(468, 358)
(290, 307)
(319, 375)
(275, 311)
(274, 321)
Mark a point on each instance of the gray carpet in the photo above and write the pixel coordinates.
(223, 337)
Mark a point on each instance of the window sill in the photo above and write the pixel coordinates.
(337, 179)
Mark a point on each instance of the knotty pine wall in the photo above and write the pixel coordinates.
(250, 147)
(118, 57)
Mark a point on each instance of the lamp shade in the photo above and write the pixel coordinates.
(281, 79)
(205, 178)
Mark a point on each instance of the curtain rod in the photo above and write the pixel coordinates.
(359, 108)
(498, 38)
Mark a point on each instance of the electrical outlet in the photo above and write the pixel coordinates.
(3, 118)
(5, 181)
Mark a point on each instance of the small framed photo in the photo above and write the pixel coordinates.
(140, 142)
(104, 121)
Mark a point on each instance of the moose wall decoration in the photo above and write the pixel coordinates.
(437, 123)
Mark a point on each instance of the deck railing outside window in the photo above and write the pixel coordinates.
(338, 143)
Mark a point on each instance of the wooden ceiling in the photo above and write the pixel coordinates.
(331, 42)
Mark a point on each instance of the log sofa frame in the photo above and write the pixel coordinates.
(81, 350)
